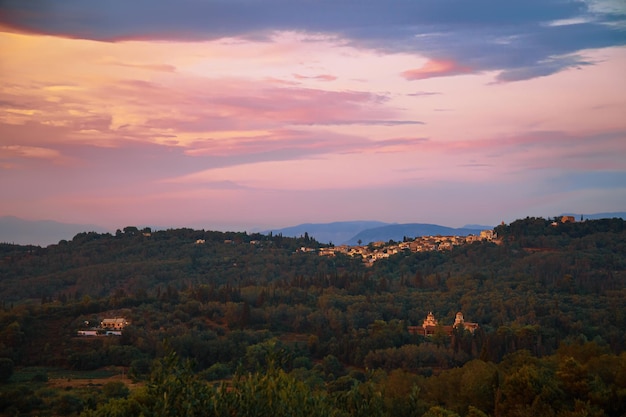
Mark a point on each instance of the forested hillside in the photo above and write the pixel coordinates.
(267, 318)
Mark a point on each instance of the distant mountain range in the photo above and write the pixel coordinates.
(351, 233)
(336, 232)
(596, 216)
(397, 232)
(47, 232)
(40, 232)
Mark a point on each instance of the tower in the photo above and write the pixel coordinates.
(458, 319)
(430, 320)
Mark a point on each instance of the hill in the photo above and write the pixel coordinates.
(546, 305)
(46, 232)
(397, 232)
(597, 216)
(335, 232)
(477, 226)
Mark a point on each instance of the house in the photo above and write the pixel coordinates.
(114, 324)
(445, 246)
(472, 238)
(568, 219)
(486, 234)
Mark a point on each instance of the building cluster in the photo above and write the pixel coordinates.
(379, 250)
(107, 327)
(565, 219)
(430, 326)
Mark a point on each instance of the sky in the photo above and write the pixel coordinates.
(257, 114)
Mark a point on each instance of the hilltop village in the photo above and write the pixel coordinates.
(379, 250)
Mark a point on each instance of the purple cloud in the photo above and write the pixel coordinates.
(523, 39)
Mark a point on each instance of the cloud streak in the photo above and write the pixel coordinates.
(436, 69)
(12, 151)
(320, 77)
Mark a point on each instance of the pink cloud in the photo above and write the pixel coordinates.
(278, 81)
(436, 68)
(149, 67)
(536, 150)
(19, 151)
(212, 105)
(321, 77)
(291, 143)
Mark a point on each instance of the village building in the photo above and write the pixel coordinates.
(487, 234)
(467, 325)
(380, 250)
(430, 326)
(114, 324)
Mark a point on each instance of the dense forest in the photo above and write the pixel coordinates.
(239, 324)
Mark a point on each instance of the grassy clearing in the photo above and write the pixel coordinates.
(33, 373)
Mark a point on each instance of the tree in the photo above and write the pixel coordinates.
(115, 389)
(438, 411)
(174, 390)
(6, 369)
(270, 393)
(530, 390)
(478, 384)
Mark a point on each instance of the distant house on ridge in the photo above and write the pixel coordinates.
(114, 324)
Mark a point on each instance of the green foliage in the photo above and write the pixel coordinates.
(438, 411)
(6, 369)
(216, 371)
(475, 412)
(139, 368)
(174, 390)
(363, 400)
(115, 389)
(116, 408)
(271, 393)
(18, 399)
(331, 367)
(478, 386)
(548, 300)
(68, 404)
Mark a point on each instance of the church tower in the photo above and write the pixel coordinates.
(458, 319)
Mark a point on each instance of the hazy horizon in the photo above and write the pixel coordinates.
(44, 232)
(269, 114)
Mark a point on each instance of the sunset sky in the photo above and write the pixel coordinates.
(254, 114)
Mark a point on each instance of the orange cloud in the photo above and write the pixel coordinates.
(149, 67)
(436, 68)
(28, 152)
